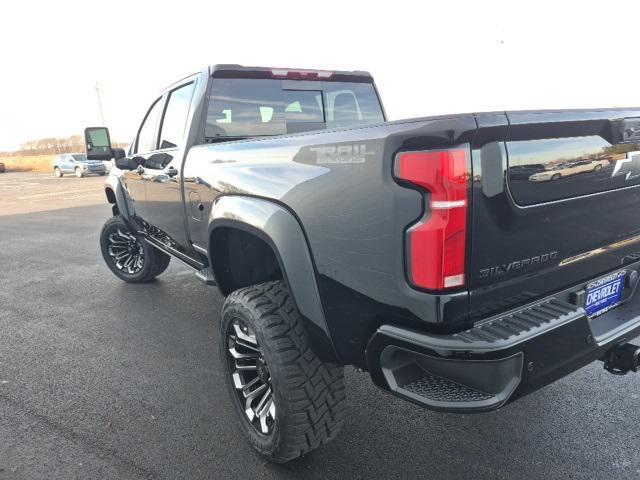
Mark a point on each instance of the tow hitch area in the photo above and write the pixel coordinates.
(622, 359)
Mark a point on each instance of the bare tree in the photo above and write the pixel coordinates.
(53, 146)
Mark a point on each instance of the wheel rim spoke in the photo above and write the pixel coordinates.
(246, 367)
(247, 345)
(243, 356)
(263, 404)
(126, 251)
(246, 337)
(251, 377)
(241, 385)
(262, 410)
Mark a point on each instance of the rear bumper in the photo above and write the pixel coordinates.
(500, 359)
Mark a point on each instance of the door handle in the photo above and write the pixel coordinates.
(171, 171)
(140, 170)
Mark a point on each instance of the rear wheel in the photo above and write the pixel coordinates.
(289, 402)
(57, 172)
(556, 176)
(597, 168)
(129, 257)
(79, 173)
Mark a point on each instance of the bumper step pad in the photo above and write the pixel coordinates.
(522, 322)
(498, 332)
(440, 389)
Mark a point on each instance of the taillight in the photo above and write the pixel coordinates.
(436, 244)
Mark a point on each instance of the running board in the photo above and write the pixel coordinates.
(206, 275)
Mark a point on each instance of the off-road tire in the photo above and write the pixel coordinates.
(309, 395)
(155, 262)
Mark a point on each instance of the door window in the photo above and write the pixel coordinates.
(147, 134)
(175, 116)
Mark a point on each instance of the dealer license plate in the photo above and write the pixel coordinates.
(604, 294)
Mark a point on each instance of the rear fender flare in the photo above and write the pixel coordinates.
(280, 229)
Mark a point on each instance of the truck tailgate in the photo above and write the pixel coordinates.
(554, 204)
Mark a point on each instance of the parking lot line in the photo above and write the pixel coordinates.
(84, 196)
(17, 185)
(52, 194)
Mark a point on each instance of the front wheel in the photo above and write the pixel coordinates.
(288, 401)
(556, 176)
(79, 172)
(128, 256)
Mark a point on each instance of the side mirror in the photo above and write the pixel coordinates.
(98, 143)
(123, 163)
(118, 153)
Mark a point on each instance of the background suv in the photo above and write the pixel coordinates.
(77, 164)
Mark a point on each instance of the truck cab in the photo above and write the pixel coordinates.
(226, 103)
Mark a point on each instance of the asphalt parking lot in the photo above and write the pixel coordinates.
(100, 379)
(28, 192)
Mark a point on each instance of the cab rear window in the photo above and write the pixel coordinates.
(257, 107)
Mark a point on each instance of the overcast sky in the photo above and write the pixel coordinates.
(427, 58)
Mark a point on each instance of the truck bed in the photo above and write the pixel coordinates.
(526, 238)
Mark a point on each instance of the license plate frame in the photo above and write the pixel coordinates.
(604, 294)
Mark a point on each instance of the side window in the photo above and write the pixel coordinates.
(147, 134)
(175, 116)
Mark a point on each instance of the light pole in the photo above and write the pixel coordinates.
(97, 87)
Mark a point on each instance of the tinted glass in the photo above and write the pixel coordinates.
(545, 170)
(175, 116)
(255, 107)
(147, 135)
(80, 157)
(302, 106)
(351, 104)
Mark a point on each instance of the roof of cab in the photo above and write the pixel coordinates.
(244, 69)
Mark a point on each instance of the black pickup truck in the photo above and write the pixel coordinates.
(463, 260)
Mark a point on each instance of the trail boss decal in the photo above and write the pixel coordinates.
(341, 154)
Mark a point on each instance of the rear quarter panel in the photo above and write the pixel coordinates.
(339, 185)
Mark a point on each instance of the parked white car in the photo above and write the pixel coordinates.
(569, 168)
(108, 165)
